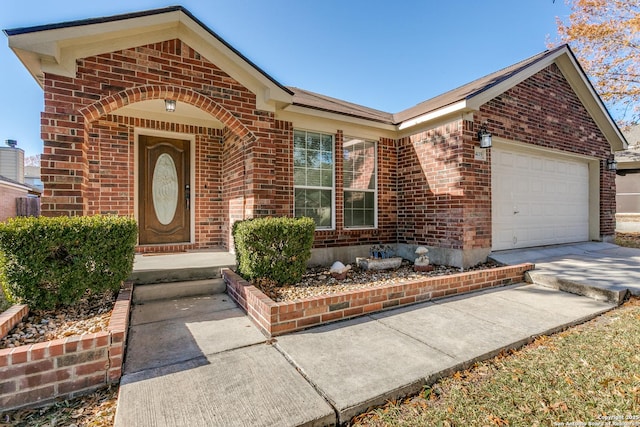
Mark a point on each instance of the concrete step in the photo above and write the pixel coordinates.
(539, 277)
(167, 275)
(170, 290)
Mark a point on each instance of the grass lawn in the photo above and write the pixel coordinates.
(587, 374)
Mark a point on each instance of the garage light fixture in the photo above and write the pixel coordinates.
(612, 164)
(484, 136)
(170, 105)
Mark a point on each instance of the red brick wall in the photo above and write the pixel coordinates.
(88, 156)
(8, 197)
(445, 192)
(33, 374)
(544, 111)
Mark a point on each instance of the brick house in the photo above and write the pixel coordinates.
(17, 199)
(239, 144)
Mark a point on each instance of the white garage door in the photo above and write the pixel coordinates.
(538, 199)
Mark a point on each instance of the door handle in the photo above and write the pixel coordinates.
(187, 196)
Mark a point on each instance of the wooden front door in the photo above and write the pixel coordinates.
(163, 193)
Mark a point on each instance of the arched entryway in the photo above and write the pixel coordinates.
(167, 169)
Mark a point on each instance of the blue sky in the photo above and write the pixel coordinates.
(388, 55)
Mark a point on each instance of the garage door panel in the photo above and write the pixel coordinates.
(538, 199)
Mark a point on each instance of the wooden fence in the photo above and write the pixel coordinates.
(28, 206)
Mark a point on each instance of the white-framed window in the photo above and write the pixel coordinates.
(360, 170)
(313, 177)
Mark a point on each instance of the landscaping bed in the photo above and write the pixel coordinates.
(278, 317)
(629, 240)
(40, 364)
(318, 281)
(89, 315)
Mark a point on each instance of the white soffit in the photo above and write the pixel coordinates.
(56, 50)
(154, 110)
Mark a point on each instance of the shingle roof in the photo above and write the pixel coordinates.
(325, 103)
(21, 184)
(471, 89)
(632, 154)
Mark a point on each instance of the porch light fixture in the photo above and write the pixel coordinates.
(612, 164)
(170, 105)
(484, 136)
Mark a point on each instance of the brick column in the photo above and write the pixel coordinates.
(64, 164)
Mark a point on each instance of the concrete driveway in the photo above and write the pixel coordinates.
(598, 270)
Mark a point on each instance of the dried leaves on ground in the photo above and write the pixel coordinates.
(97, 409)
(587, 374)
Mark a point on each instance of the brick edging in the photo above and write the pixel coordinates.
(34, 374)
(276, 318)
(11, 317)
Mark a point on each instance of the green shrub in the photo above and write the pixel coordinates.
(46, 262)
(273, 248)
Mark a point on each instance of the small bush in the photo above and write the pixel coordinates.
(46, 262)
(273, 248)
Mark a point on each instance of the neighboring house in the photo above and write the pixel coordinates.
(32, 177)
(17, 199)
(238, 144)
(628, 183)
(12, 161)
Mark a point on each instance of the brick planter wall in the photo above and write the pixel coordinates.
(37, 373)
(276, 318)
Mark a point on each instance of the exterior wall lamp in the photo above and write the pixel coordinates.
(170, 105)
(484, 136)
(612, 164)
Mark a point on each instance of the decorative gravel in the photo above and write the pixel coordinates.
(318, 281)
(89, 315)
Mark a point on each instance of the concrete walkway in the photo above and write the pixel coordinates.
(200, 362)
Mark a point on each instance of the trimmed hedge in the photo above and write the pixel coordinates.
(274, 248)
(47, 262)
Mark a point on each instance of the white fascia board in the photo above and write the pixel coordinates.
(482, 98)
(14, 186)
(628, 165)
(266, 91)
(309, 118)
(56, 51)
(458, 107)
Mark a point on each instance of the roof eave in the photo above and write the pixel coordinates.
(55, 48)
(457, 108)
(564, 58)
(339, 116)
